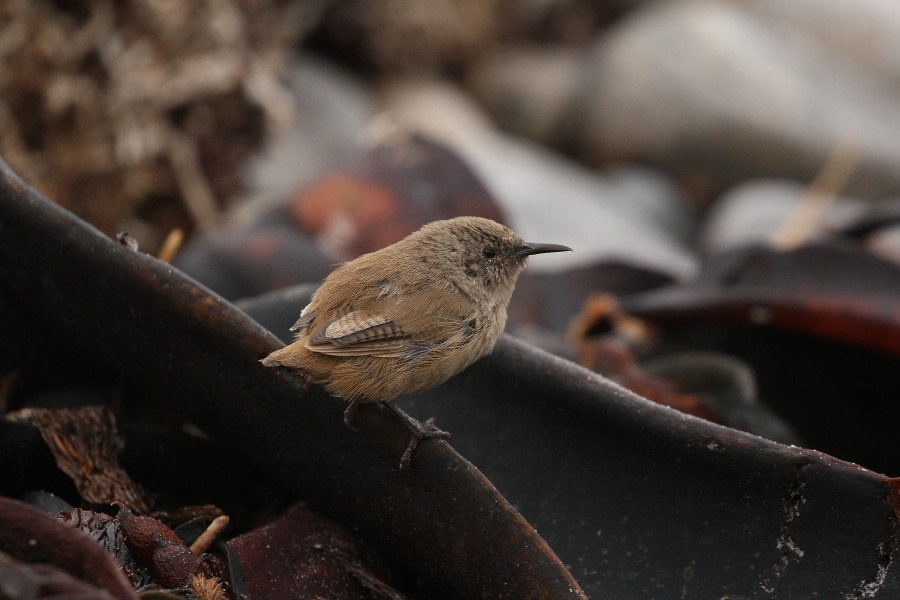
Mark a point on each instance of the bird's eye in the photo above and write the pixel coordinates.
(488, 252)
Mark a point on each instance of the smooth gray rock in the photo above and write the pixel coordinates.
(713, 89)
(528, 90)
(864, 32)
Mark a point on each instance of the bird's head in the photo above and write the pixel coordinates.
(483, 256)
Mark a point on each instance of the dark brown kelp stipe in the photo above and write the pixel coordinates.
(97, 303)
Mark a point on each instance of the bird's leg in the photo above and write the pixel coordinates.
(350, 413)
(418, 431)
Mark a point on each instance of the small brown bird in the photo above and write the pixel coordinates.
(409, 316)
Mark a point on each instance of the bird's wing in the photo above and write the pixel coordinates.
(306, 317)
(389, 328)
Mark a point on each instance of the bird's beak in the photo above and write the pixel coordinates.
(528, 249)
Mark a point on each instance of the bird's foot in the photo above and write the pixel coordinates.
(418, 431)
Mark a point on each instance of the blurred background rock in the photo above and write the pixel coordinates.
(636, 116)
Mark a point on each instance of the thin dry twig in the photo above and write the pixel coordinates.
(810, 209)
(195, 189)
(206, 539)
(171, 245)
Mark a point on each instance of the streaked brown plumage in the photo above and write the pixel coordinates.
(411, 315)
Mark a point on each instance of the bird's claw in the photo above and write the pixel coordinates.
(420, 431)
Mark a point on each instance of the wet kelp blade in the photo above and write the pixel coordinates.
(642, 501)
(182, 346)
(831, 289)
(820, 325)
